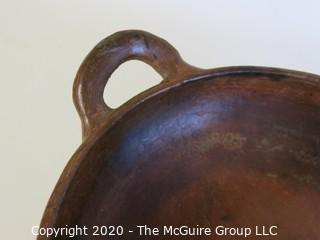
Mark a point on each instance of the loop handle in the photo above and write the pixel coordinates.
(104, 59)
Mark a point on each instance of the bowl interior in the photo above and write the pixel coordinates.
(240, 150)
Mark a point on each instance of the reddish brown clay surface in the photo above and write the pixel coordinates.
(235, 146)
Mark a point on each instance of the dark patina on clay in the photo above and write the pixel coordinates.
(234, 146)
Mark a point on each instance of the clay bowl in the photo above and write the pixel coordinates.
(235, 146)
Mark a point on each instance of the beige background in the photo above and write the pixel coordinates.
(42, 44)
